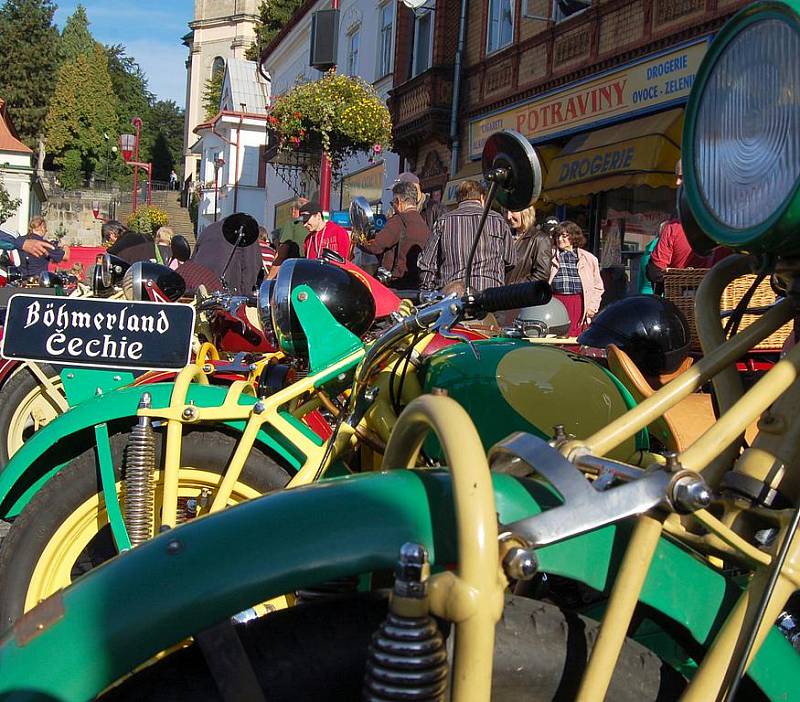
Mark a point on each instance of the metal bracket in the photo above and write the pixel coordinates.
(228, 662)
(584, 508)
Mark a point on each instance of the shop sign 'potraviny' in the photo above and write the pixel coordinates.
(651, 83)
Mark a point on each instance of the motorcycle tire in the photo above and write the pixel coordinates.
(317, 651)
(56, 538)
(24, 409)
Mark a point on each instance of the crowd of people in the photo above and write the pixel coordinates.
(423, 246)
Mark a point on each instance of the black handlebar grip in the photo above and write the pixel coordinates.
(511, 297)
(252, 301)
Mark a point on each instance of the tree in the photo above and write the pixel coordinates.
(213, 93)
(82, 111)
(165, 147)
(76, 37)
(28, 63)
(273, 17)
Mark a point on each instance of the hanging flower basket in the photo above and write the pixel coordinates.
(338, 114)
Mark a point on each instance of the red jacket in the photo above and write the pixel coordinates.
(332, 237)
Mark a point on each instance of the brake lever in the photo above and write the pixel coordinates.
(452, 315)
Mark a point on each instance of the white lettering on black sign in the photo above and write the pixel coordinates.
(102, 333)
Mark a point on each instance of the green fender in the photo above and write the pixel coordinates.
(193, 577)
(50, 448)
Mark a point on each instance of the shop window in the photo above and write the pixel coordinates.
(423, 42)
(500, 32)
(353, 41)
(385, 35)
(566, 8)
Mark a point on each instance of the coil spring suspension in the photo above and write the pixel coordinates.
(140, 462)
(407, 659)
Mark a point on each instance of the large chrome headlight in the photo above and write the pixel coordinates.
(741, 139)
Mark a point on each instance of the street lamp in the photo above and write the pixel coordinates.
(129, 144)
(219, 162)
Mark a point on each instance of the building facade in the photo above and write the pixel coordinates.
(17, 176)
(221, 30)
(231, 147)
(366, 49)
(597, 86)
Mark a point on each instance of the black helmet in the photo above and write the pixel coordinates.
(650, 329)
(346, 297)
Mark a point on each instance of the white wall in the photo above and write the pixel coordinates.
(16, 172)
(250, 197)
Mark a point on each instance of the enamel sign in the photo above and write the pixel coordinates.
(99, 333)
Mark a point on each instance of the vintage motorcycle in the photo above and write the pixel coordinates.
(690, 565)
(212, 447)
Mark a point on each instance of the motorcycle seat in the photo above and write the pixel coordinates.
(679, 426)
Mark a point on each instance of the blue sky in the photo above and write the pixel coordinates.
(151, 30)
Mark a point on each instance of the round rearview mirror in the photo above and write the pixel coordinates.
(240, 229)
(362, 218)
(179, 246)
(510, 161)
(108, 272)
(741, 135)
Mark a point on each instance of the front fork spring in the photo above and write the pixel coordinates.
(140, 464)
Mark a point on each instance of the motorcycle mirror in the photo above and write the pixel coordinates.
(146, 280)
(699, 241)
(179, 246)
(512, 168)
(362, 218)
(240, 229)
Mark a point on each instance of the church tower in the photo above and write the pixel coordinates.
(221, 29)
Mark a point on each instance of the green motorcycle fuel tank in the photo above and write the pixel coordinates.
(513, 385)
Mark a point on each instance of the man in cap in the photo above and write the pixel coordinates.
(321, 234)
(429, 210)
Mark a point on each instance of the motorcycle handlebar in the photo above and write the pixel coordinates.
(510, 297)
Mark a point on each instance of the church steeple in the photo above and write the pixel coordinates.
(220, 30)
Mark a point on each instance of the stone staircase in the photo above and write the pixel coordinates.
(170, 202)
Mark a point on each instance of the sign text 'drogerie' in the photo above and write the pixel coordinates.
(101, 333)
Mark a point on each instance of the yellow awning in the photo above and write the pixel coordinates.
(473, 171)
(642, 152)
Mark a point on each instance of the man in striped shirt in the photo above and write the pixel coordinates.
(444, 259)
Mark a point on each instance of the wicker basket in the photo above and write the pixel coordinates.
(680, 286)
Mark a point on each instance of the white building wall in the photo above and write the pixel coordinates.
(250, 197)
(16, 172)
(289, 63)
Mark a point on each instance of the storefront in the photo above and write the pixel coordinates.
(617, 138)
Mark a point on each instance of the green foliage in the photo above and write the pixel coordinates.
(341, 114)
(273, 17)
(147, 218)
(166, 150)
(76, 38)
(212, 93)
(71, 175)
(8, 204)
(83, 110)
(28, 62)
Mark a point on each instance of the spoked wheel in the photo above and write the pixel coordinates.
(64, 531)
(25, 408)
(317, 651)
